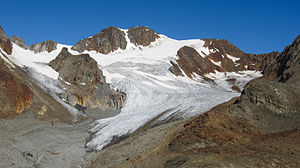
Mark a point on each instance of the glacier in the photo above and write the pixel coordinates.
(142, 73)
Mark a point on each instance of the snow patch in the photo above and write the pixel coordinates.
(234, 59)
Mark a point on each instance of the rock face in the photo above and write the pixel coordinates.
(190, 61)
(142, 35)
(84, 82)
(5, 42)
(289, 69)
(108, 40)
(48, 46)
(19, 41)
(15, 96)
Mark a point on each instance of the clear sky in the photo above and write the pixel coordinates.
(255, 26)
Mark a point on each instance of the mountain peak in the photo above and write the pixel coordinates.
(106, 41)
(113, 38)
(142, 35)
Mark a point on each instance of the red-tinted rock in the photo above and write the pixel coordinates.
(15, 96)
(190, 61)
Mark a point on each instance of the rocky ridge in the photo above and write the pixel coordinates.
(113, 38)
(46, 46)
(224, 57)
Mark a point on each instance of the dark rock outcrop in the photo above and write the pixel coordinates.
(142, 35)
(84, 82)
(108, 40)
(5, 42)
(190, 61)
(175, 69)
(48, 46)
(77, 69)
(19, 41)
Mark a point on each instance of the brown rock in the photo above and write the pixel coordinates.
(77, 69)
(18, 41)
(5, 42)
(108, 40)
(15, 96)
(48, 46)
(84, 82)
(223, 47)
(142, 35)
(190, 61)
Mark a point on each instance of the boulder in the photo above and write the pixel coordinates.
(273, 105)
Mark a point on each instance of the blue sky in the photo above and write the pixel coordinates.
(253, 26)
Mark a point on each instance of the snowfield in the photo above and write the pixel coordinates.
(142, 73)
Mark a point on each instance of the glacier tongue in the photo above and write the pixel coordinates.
(152, 90)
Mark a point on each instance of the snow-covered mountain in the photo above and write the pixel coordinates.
(137, 63)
